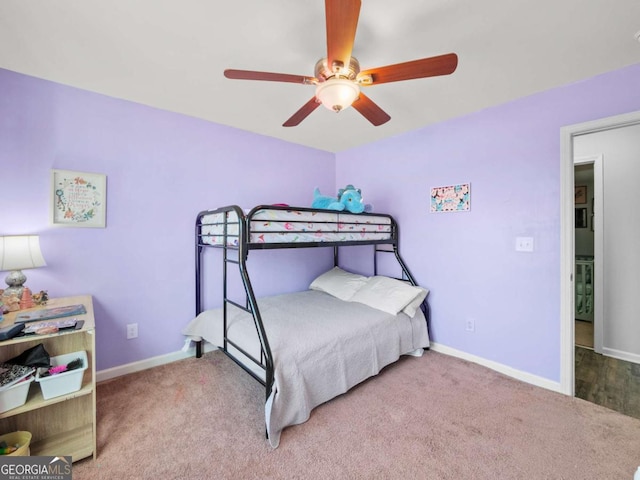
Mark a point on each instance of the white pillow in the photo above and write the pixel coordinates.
(339, 283)
(414, 305)
(389, 295)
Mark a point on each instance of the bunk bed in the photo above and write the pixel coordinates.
(307, 347)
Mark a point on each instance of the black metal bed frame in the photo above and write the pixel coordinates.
(242, 246)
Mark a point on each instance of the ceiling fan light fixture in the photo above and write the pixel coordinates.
(336, 94)
(338, 78)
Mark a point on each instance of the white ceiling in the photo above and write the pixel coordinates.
(171, 54)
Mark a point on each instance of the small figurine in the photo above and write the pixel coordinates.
(41, 298)
(27, 299)
(12, 302)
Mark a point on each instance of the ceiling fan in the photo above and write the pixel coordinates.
(338, 77)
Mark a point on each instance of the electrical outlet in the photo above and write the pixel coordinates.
(132, 331)
(524, 244)
(470, 325)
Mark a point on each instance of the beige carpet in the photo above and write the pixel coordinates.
(435, 417)
(584, 333)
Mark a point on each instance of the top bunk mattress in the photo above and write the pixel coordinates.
(279, 225)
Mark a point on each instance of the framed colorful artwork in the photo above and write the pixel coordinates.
(581, 194)
(78, 199)
(452, 198)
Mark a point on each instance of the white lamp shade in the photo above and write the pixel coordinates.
(18, 252)
(337, 93)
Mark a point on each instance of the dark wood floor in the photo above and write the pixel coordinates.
(607, 381)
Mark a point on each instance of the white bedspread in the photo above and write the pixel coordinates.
(321, 346)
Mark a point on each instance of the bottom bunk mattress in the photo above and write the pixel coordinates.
(321, 347)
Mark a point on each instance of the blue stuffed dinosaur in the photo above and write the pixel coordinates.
(326, 202)
(346, 190)
(349, 199)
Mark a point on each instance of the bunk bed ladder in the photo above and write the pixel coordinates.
(199, 307)
(266, 359)
(251, 306)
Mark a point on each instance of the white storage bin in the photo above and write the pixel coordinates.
(15, 395)
(65, 382)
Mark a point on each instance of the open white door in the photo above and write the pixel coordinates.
(598, 247)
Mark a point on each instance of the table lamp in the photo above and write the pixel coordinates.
(17, 253)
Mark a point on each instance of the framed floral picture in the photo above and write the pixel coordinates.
(452, 198)
(78, 199)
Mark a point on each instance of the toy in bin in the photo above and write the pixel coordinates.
(64, 374)
(15, 444)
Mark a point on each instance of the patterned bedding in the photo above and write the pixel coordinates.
(296, 226)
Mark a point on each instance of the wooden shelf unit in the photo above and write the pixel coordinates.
(64, 425)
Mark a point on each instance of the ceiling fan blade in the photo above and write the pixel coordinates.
(425, 67)
(303, 113)
(268, 76)
(342, 21)
(370, 110)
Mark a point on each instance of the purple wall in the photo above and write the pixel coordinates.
(162, 169)
(511, 156)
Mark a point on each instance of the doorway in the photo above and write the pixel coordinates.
(568, 247)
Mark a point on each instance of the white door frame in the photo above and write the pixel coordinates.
(567, 237)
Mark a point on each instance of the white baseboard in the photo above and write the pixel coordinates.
(114, 372)
(499, 367)
(621, 355)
